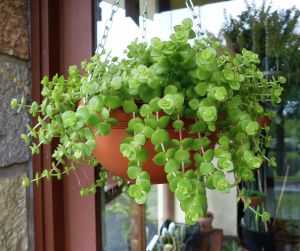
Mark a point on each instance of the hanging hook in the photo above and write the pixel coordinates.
(189, 4)
(108, 24)
(144, 20)
(196, 17)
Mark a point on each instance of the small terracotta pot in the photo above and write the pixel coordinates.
(256, 200)
(265, 121)
(205, 223)
(107, 150)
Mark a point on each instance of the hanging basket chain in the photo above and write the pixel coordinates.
(108, 24)
(144, 20)
(190, 6)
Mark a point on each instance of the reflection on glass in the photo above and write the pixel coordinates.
(116, 224)
(274, 34)
(151, 214)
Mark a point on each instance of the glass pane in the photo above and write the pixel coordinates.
(151, 214)
(116, 224)
(122, 31)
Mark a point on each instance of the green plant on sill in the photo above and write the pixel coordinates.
(231, 246)
(172, 238)
(218, 92)
(253, 193)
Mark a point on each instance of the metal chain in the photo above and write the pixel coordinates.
(144, 20)
(108, 24)
(190, 6)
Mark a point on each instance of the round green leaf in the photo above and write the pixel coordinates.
(170, 153)
(170, 89)
(159, 159)
(141, 197)
(148, 132)
(129, 106)
(194, 103)
(154, 104)
(105, 113)
(133, 172)
(163, 121)
(144, 184)
(209, 182)
(134, 122)
(224, 140)
(14, 103)
(103, 128)
(228, 75)
(34, 108)
(202, 73)
(171, 166)
(93, 119)
(206, 168)
(152, 122)
(140, 139)
(234, 85)
(83, 112)
(160, 136)
(178, 125)
(192, 217)
(265, 216)
(113, 102)
(156, 43)
(201, 89)
(69, 118)
(142, 155)
(145, 110)
(116, 82)
(182, 155)
(247, 175)
(208, 155)
(220, 94)
(187, 143)
(227, 165)
(222, 185)
(95, 103)
(252, 128)
(182, 193)
(167, 102)
(208, 113)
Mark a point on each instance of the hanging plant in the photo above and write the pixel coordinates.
(192, 110)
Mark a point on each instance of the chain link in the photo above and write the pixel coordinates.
(108, 24)
(144, 20)
(190, 6)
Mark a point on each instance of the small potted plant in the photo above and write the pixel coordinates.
(254, 234)
(176, 237)
(205, 222)
(256, 197)
(164, 113)
(172, 238)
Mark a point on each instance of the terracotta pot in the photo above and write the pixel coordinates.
(107, 150)
(205, 223)
(265, 121)
(256, 200)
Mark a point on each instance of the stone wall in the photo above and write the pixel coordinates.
(14, 28)
(16, 228)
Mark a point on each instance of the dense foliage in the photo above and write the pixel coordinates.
(165, 83)
(274, 36)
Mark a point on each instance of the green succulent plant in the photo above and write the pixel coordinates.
(173, 237)
(164, 83)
